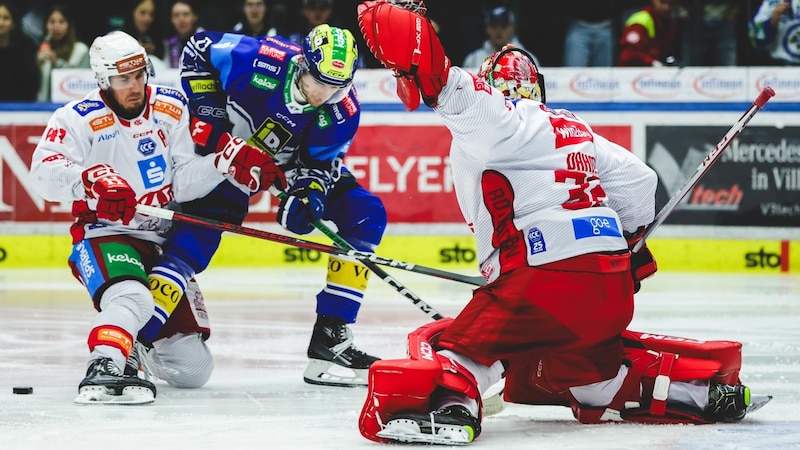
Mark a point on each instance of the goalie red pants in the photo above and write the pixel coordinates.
(557, 325)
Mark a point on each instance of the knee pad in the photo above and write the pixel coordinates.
(182, 360)
(401, 385)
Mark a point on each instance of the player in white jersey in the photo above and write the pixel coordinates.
(554, 208)
(125, 143)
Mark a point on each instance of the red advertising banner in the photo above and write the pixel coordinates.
(407, 166)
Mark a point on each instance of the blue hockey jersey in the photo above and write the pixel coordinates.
(243, 85)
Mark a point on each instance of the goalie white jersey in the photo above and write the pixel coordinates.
(537, 185)
(154, 153)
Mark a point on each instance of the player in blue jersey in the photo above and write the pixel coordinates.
(297, 103)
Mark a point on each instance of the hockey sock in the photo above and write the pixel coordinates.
(167, 285)
(344, 290)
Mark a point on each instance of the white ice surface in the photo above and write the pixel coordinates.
(256, 398)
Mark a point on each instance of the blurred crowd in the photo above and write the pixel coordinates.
(39, 35)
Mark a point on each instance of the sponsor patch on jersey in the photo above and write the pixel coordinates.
(203, 86)
(153, 171)
(169, 92)
(350, 106)
(121, 260)
(85, 107)
(323, 120)
(481, 84)
(536, 242)
(570, 133)
(286, 45)
(169, 109)
(147, 146)
(272, 52)
(264, 82)
(271, 136)
(101, 122)
(201, 131)
(594, 226)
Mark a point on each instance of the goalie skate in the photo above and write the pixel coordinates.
(104, 384)
(452, 425)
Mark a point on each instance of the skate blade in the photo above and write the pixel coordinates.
(98, 395)
(326, 373)
(757, 402)
(408, 431)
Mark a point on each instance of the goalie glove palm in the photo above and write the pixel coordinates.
(303, 205)
(406, 43)
(116, 199)
(247, 165)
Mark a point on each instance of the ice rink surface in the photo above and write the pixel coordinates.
(262, 320)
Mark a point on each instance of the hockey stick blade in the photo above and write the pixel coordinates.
(705, 165)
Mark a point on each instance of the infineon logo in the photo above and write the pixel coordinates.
(76, 85)
(716, 86)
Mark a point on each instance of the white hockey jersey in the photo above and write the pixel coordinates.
(537, 185)
(154, 153)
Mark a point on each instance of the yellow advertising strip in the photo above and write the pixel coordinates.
(441, 252)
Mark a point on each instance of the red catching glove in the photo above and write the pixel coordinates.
(643, 263)
(406, 42)
(115, 198)
(247, 165)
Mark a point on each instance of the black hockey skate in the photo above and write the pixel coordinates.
(104, 384)
(727, 403)
(451, 425)
(333, 359)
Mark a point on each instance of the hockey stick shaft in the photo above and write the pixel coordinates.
(341, 243)
(705, 165)
(310, 245)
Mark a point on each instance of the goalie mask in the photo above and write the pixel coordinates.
(330, 55)
(513, 72)
(117, 53)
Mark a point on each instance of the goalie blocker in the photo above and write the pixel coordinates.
(405, 385)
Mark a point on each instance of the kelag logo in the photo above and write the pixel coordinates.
(457, 255)
(762, 259)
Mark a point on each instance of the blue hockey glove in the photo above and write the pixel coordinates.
(303, 205)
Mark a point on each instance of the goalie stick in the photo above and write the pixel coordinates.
(705, 165)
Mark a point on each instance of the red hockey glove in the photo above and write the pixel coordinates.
(247, 165)
(643, 263)
(406, 42)
(115, 198)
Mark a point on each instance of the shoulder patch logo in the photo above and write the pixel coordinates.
(570, 133)
(85, 107)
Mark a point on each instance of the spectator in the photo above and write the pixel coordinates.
(314, 12)
(60, 48)
(714, 41)
(649, 37)
(774, 31)
(500, 29)
(141, 24)
(256, 22)
(183, 16)
(589, 39)
(19, 75)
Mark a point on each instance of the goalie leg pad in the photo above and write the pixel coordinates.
(406, 385)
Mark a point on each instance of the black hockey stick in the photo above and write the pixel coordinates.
(712, 157)
(341, 243)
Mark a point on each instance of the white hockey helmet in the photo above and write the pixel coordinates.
(117, 53)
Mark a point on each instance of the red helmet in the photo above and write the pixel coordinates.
(513, 72)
